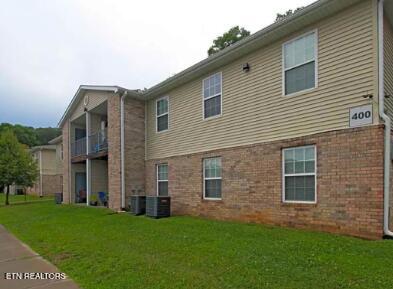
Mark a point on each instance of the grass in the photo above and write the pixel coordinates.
(17, 199)
(101, 249)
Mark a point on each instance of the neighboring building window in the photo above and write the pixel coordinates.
(212, 92)
(299, 173)
(212, 178)
(162, 114)
(300, 63)
(162, 180)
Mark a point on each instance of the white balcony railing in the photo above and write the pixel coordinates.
(98, 142)
(78, 148)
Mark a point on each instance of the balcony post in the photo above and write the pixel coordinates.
(88, 161)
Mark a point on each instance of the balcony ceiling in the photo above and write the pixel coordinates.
(101, 109)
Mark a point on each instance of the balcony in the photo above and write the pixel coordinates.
(98, 142)
(78, 148)
(98, 147)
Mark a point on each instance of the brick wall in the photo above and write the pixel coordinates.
(349, 184)
(66, 163)
(134, 147)
(114, 160)
(51, 184)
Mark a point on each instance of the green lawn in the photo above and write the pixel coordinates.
(17, 199)
(101, 249)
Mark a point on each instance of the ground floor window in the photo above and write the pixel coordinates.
(212, 178)
(299, 174)
(162, 180)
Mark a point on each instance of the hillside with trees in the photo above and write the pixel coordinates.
(31, 136)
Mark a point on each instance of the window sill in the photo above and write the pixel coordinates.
(212, 117)
(300, 204)
(298, 93)
(212, 200)
(162, 131)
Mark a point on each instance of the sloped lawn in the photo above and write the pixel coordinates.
(101, 249)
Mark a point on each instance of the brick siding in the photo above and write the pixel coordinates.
(349, 184)
(114, 159)
(134, 135)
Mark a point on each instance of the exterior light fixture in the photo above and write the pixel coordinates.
(246, 67)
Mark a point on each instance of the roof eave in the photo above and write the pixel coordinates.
(83, 88)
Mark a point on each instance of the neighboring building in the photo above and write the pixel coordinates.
(285, 127)
(50, 177)
(17, 190)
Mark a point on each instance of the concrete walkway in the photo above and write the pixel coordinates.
(16, 257)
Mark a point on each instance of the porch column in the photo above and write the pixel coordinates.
(88, 161)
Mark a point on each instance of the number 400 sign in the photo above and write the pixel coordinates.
(359, 116)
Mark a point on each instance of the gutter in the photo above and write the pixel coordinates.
(123, 193)
(387, 121)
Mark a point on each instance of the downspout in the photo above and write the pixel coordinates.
(123, 192)
(41, 194)
(386, 119)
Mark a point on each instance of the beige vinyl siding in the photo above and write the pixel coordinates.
(99, 176)
(253, 107)
(388, 48)
(95, 99)
(49, 162)
(59, 160)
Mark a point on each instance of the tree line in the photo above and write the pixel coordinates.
(31, 136)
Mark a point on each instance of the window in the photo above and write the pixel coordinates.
(212, 178)
(299, 174)
(212, 90)
(162, 114)
(300, 63)
(162, 180)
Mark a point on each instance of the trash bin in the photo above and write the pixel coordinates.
(58, 198)
(137, 205)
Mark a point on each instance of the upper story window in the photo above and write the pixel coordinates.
(299, 174)
(300, 63)
(162, 114)
(212, 92)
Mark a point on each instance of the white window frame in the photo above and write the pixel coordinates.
(206, 179)
(163, 114)
(161, 181)
(315, 31)
(299, 175)
(204, 99)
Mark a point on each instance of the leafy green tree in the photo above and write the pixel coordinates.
(227, 39)
(17, 166)
(287, 14)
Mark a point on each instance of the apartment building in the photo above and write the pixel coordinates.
(290, 127)
(50, 176)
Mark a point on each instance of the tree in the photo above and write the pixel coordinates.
(45, 134)
(31, 136)
(227, 39)
(287, 14)
(17, 166)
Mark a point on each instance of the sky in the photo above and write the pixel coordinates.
(50, 47)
